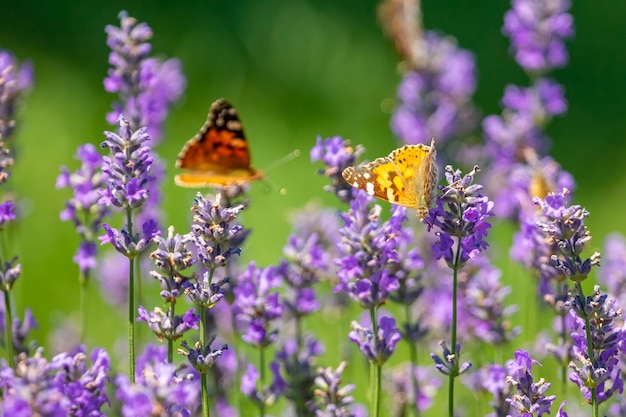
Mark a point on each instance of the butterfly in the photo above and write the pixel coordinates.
(218, 156)
(407, 177)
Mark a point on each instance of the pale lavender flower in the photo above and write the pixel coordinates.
(336, 154)
(399, 386)
(538, 29)
(257, 306)
(171, 257)
(332, 399)
(448, 363)
(9, 273)
(368, 248)
(201, 358)
(82, 209)
(601, 371)
(613, 271)
(376, 348)
(435, 100)
(21, 329)
(159, 386)
(15, 79)
(491, 378)
(461, 213)
(167, 326)
(267, 395)
(66, 385)
(529, 397)
(147, 87)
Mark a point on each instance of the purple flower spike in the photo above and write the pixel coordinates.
(529, 398)
(171, 257)
(164, 326)
(537, 30)
(337, 155)
(435, 100)
(461, 213)
(201, 358)
(447, 363)
(377, 349)
(15, 79)
(147, 87)
(266, 396)
(331, 398)
(257, 306)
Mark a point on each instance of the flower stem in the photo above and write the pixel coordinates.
(203, 376)
(8, 327)
(375, 371)
(82, 280)
(413, 360)
(262, 379)
(170, 342)
(455, 372)
(131, 303)
(594, 393)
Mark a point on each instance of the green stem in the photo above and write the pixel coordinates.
(82, 280)
(203, 376)
(375, 370)
(170, 342)
(131, 303)
(8, 326)
(454, 373)
(413, 359)
(594, 390)
(262, 378)
(563, 365)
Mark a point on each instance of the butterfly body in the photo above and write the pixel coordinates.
(218, 156)
(407, 177)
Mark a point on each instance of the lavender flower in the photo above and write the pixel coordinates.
(130, 246)
(461, 213)
(64, 386)
(160, 386)
(491, 378)
(257, 306)
(83, 209)
(376, 348)
(537, 30)
(167, 326)
(20, 330)
(331, 398)
(368, 248)
(9, 273)
(201, 357)
(337, 155)
(435, 100)
(599, 377)
(297, 361)
(529, 397)
(613, 271)
(267, 396)
(448, 363)
(171, 258)
(399, 386)
(15, 79)
(147, 87)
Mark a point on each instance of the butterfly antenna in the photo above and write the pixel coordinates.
(271, 184)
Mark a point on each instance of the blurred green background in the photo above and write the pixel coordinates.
(295, 69)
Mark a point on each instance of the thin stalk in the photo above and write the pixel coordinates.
(454, 373)
(594, 390)
(375, 371)
(262, 378)
(203, 376)
(131, 303)
(413, 358)
(82, 280)
(170, 342)
(563, 366)
(8, 327)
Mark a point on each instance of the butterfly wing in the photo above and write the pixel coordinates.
(406, 177)
(218, 155)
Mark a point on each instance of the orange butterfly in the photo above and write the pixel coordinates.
(218, 156)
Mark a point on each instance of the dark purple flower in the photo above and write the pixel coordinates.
(529, 398)
(337, 155)
(15, 79)
(130, 246)
(461, 214)
(257, 306)
(376, 348)
(21, 330)
(7, 212)
(201, 357)
(537, 30)
(159, 386)
(435, 100)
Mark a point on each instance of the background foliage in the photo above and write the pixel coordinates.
(294, 69)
